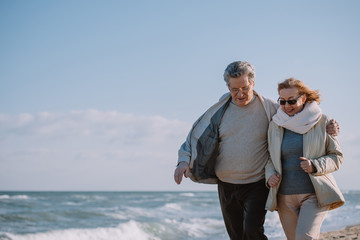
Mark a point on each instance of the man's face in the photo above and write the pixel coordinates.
(242, 91)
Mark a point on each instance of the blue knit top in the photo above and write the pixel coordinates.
(294, 179)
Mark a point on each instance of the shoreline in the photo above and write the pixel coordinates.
(349, 232)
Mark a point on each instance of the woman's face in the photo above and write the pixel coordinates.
(287, 94)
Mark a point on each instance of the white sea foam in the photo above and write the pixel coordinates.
(73, 203)
(89, 197)
(19, 197)
(187, 194)
(120, 216)
(171, 206)
(4, 196)
(201, 227)
(272, 219)
(127, 231)
(98, 198)
(25, 197)
(134, 211)
(79, 196)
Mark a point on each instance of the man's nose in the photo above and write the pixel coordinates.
(240, 93)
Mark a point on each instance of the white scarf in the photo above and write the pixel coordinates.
(302, 121)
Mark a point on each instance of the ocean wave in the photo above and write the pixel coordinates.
(187, 194)
(135, 211)
(131, 230)
(4, 197)
(199, 227)
(89, 197)
(16, 197)
(120, 216)
(272, 219)
(171, 206)
(145, 213)
(73, 203)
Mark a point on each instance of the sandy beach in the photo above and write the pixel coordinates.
(350, 232)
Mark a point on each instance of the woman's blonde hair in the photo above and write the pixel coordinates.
(311, 95)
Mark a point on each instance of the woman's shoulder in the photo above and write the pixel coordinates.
(323, 122)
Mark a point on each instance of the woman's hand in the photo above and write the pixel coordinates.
(307, 165)
(274, 180)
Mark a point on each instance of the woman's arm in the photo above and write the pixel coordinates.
(332, 160)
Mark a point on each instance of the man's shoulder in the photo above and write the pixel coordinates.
(267, 100)
(224, 96)
(270, 101)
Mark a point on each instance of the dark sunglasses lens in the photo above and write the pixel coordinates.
(291, 102)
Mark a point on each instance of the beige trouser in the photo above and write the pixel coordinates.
(300, 216)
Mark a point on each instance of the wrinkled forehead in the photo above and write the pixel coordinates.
(239, 82)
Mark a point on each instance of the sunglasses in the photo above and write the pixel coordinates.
(291, 102)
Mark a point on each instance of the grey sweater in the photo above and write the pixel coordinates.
(243, 144)
(201, 148)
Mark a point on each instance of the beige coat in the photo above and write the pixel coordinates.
(324, 152)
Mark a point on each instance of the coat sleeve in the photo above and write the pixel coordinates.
(269, 170)
(184, 153)
(333, 159)
(269, 167)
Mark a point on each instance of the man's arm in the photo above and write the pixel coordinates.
(181, 170)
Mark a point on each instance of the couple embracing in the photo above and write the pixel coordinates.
(265, 156)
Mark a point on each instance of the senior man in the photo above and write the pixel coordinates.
(227, 145)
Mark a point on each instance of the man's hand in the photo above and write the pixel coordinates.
(307, 165)
(181, 170)
(274, 180)
(333, 128)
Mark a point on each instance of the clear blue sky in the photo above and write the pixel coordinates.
(99, 95)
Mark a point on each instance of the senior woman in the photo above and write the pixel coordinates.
(302, 158)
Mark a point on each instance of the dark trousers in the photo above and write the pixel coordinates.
(243, 209)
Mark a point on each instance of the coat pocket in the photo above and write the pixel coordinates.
(327, 191)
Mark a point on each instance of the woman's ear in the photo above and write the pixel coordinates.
(303, 98)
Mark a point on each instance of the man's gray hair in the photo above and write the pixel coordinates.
(238, 68)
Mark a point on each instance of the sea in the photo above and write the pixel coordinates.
(134, 216)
